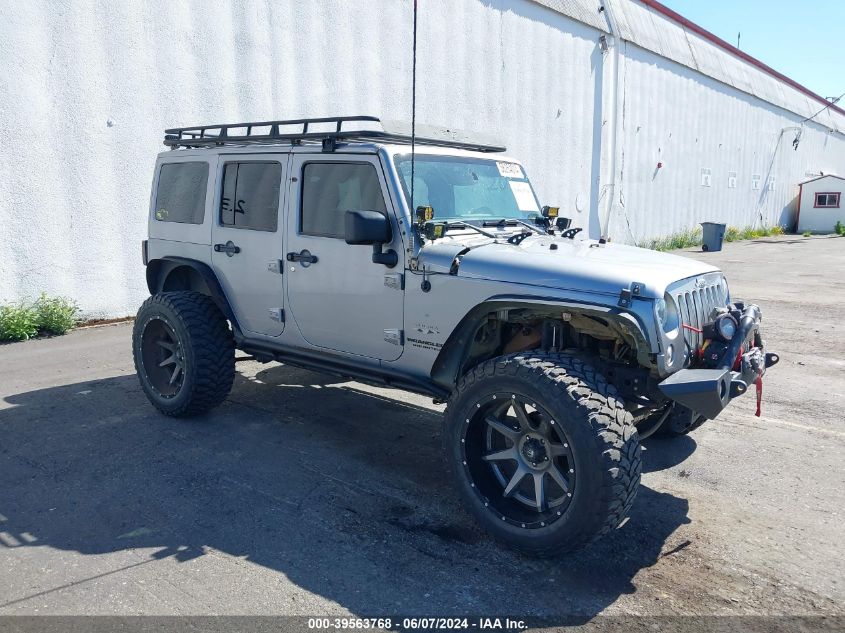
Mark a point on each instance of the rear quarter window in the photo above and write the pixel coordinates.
(180, 196)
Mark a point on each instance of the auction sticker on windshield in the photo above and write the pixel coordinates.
(523, 195)
(510, 170)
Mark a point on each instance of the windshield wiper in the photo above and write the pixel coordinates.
(511, 222)
(502, 222)
(467, 225)
(534, 228)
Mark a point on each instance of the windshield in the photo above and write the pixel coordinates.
(467, 189)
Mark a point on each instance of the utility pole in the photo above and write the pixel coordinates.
(738, 35)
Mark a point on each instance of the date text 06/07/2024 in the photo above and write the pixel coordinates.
(417, 623)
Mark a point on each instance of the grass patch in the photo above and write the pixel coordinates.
(18, 322)
(56, 315)
(684, 239)
(732, 234)
(47, 315)
(692, 237)
(806, 234)
(839, 228)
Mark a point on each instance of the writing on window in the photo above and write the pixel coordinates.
(250, 197)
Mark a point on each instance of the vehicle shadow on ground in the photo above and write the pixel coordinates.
(342, 491)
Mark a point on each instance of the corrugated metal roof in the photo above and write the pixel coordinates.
(652, 26)
(585, 11)
(804, 182)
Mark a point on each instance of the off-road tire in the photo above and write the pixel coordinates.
(603, 438)
(208, 350)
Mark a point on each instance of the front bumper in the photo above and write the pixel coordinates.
(708, 390)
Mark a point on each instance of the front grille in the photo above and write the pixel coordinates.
(697, 304)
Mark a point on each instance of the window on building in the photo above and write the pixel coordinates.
(250, 198)
(180, 196)
(827, 200)
(329, 190)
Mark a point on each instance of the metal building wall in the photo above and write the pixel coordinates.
(87, 86)
(707, 115)
(695, 125)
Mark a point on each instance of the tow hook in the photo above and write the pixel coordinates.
(771, 359)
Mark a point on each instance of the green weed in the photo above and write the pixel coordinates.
(18, 322)
(692, 237)
(683, 239)
(732, 234)
(47, 315)
(56, 315)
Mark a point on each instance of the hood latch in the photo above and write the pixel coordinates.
(626, 296)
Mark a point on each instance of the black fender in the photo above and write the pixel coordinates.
(448, 366)
(158, 271)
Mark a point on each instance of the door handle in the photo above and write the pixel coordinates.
(304, 257)
(228, 248)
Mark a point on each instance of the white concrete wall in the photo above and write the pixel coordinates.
(87, 87)
(821, 220)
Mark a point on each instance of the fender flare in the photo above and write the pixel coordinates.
(159, 269)
(447, 367)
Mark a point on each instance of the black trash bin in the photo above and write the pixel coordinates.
(713, 234)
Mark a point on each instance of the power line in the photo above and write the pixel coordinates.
(810, 118)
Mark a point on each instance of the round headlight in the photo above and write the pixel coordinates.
(661, 312)
(666, 314)
(726, 326)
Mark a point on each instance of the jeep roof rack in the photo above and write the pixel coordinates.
(264, 132)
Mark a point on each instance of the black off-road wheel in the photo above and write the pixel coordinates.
(184, 353)
(543, 451)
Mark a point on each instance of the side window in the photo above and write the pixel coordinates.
(329, 190)
(827, 200)
(180, 196)
(250, 197)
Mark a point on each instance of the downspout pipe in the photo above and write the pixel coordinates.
(611, 101)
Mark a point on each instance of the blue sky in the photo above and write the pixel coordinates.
(803, 40)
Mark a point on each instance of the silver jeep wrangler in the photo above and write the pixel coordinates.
(428, 264)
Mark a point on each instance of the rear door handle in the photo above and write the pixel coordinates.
(304, 257)
(228, 248)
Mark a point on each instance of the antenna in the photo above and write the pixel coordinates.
(413, 106)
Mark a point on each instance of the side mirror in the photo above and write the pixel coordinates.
(367, 227)
(371, 227)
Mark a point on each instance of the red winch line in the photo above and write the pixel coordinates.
(736, 366)
(699, 353)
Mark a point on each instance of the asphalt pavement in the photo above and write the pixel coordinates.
(305, 494)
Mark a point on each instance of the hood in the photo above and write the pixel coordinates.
(554, 262)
